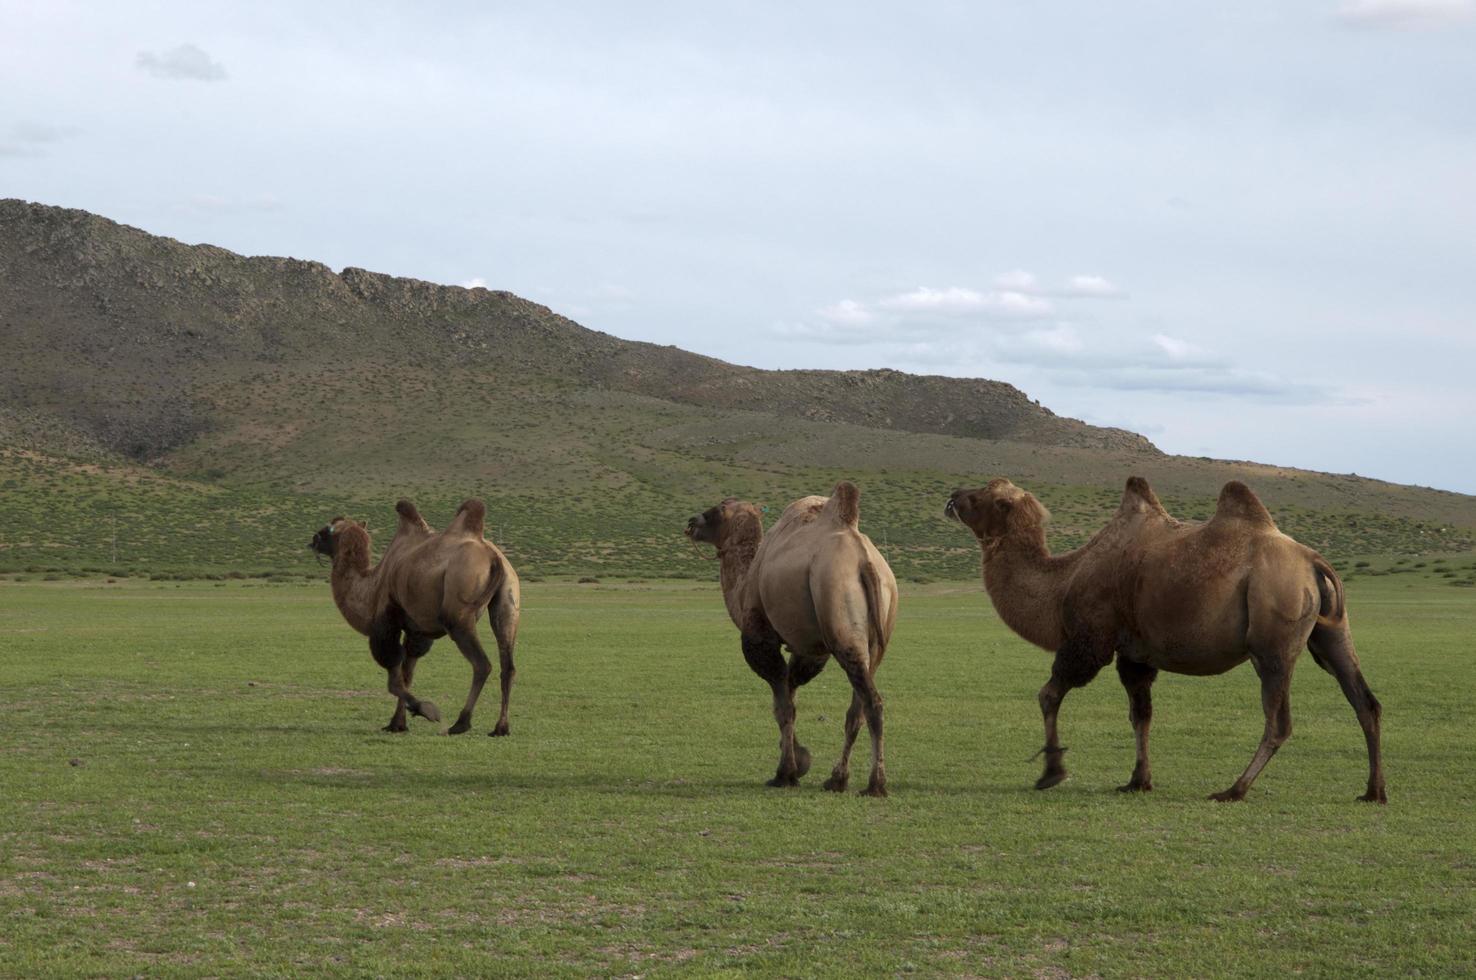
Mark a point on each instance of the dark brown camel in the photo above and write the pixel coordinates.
(1165, 595)
(426, 586)
(816, 585)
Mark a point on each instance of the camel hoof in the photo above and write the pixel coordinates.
(392, 727)
(1135, 787)
(1050, 779)
(459, 728)
(801, 760)
(837, 784)
(1374, 796)
(498, 730)
(783, 782)
(428, 711)
(1231, 795)
(879, 790)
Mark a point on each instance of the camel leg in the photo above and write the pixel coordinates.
(504, 620)
(841, 774)
(763, 656)
(1275, 672)
(465, 637)
(802, 670)
(415, 648)
(1332, 649)
(858, 669)
(389, 653)
(1138, 680)
(1075, 666)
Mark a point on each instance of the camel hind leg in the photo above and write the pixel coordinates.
(841, 774)
(465, 637)
(1275, 671)
(858, 669)
(503, 616)
(1332, 649)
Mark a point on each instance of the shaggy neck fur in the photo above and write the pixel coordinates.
(1026, 583)
(354, 583)
(740, 543)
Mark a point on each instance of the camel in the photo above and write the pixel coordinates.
(426, 585)
(815, 585)
(1166, 595)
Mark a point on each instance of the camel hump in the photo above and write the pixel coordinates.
(845, 503)
(1238, 501)
(1139, 496)
(410, 515)
(469, 519)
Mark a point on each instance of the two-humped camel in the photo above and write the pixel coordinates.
(427, 585)
(815, 585)
(1165, 595)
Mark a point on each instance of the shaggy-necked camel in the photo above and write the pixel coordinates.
(425, 586)
(1166, 595)
(815, 585)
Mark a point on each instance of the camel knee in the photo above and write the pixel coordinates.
(1049, 699)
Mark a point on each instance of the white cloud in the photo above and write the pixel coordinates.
(847, 312)
(186, 62)
(475, 282)
(956, 300)
(1406, 13)
(1017, 280)
(1094, 286)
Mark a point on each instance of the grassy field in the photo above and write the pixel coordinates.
(195, 783)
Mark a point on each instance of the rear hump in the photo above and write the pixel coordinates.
(844, 504)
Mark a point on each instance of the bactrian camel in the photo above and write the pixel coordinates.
(815, 585)
(427, 585)
(1166, 595)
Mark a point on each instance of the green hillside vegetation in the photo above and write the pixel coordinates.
(175, 409)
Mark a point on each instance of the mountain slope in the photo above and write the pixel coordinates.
(168, 405)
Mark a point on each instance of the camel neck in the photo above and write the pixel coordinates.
(353, 583)
(736, 557)
(1025, 583)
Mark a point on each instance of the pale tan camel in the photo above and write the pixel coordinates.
(815, 585)
(426, 585)
(1166, 595)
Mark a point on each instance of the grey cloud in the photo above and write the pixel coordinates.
(27, 138)
(186, 62)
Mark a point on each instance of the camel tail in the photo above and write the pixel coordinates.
(496, 577)
(876, 630)
(1332, 610)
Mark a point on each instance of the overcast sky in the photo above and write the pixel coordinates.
(1246, 230)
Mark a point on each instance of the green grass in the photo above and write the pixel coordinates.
(195, 783)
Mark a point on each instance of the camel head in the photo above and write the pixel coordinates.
(326, 540)
(718, 525)
(996, 510)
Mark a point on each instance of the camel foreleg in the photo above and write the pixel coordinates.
(763, 656)
(389, 653)
(1075, 666)
(841, 774)
(1138, 679)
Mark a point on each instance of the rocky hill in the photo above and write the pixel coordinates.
(108, 327)
(168, 406)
